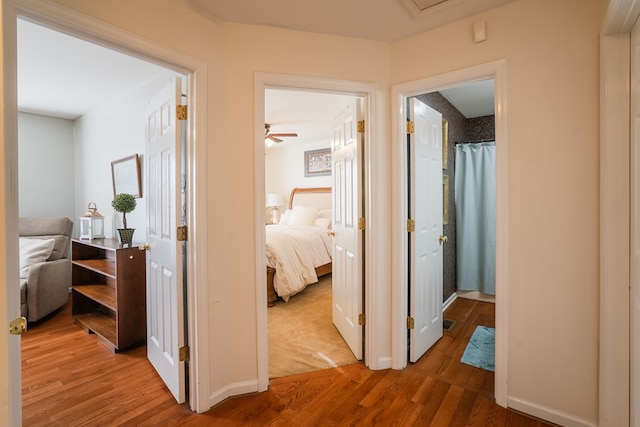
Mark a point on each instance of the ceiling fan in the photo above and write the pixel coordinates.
(275, 137)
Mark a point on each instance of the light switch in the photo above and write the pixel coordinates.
(479, 31)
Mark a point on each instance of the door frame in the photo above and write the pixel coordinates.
(84, 27)
(496, 70)
(615, 256)
(375, 356)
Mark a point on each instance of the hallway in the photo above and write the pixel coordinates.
(71, 379)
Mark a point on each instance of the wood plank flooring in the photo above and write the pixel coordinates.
(70, 379)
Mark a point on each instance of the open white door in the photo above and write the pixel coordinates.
(425, 209)
(347, 240)
(165, 319)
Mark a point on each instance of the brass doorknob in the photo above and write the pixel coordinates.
(442, 239)
(331, 233)
(144, 247)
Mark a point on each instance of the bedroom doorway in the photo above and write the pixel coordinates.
(186, 161)
(314, 343)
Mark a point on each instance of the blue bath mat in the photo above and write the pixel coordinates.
(480, 351)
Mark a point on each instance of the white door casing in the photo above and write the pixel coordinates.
(425, 209)
(347, 241)
(634, 300)
(165, 316)
(10, 361)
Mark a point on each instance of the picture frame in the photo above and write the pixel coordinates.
(125, 175)
(317, 162)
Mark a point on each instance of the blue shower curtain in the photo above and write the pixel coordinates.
(475, 196)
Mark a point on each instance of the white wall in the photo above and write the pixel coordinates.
(552, 73)
(250, 49)
(284, 168)
(46, 166)
(553, 180)
(114, 130)
(64, 165)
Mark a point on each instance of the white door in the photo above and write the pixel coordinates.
(634, 344)
(165, 320)
(347, 241)
(425, 209)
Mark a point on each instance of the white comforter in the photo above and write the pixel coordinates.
(295, 252)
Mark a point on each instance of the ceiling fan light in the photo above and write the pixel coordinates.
(268, 143)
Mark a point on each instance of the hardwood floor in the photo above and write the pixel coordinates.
(70, 379)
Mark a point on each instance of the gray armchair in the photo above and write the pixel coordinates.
(44, 286)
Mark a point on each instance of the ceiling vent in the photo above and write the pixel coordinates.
(423, 7)
(424, 4)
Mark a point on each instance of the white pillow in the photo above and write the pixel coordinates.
(33, 251)
(322, 222)
(286, 217)
(302, 215)
(324, 213)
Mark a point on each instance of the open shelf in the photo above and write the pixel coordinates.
(98, 323)
(108, 291)
(102, 266)
(102, 294)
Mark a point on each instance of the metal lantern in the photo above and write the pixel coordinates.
(92, 223)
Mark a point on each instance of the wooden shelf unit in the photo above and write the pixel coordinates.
(108, 291)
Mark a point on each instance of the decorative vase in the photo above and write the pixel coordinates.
(126, 236)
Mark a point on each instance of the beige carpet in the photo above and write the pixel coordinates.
(302, 337)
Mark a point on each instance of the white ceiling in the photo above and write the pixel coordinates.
(62, 76)
(309, 114)
(382, 20)
(473, 99)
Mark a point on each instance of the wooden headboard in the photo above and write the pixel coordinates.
(319, 197)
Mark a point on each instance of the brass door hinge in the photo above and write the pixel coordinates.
(184, 353)
(181, 233)
(410, 127)
(361, 126)
(362, 224)
(411, 323)
(181, 112)
(411, 225)
(362, 319)
(18, 326)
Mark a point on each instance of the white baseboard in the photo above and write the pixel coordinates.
(476, 295)
(548, 414)
(449, 301)
(235, 389)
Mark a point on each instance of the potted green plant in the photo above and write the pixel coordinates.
(124, 203)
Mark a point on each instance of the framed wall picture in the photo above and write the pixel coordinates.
(317, 162)
(125, 174)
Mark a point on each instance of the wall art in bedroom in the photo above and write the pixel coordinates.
(317, 162)
(125, 174)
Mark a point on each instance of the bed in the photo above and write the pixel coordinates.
(299, 249)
